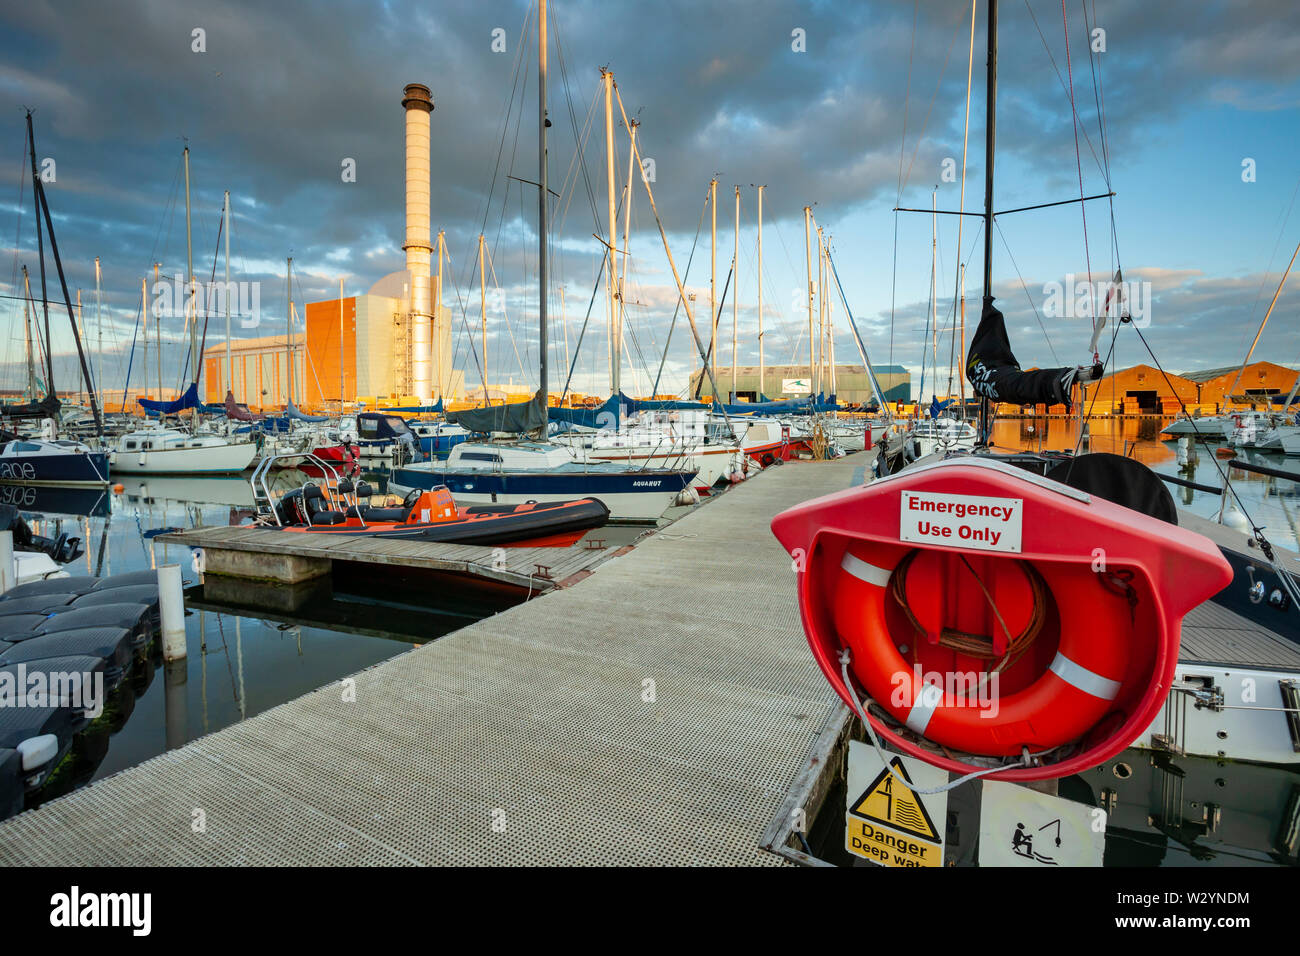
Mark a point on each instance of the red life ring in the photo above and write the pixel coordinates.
(1068, 698)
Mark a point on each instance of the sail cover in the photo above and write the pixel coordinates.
(236, 412)
(605, 415)
(47, 407)
(994, 373)
(517, 418)
(291, 412)
(189, 400)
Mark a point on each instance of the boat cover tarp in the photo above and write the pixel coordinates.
(236, 412)
(517, 418)
(47, 407)
(994, 373)
(937, 407)
(605, 415)
(189, 400)
(1122, 480)
(434, 409)
(621, 405)
(292, 412)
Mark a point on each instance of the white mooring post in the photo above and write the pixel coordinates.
(171, 606)
(8, 572)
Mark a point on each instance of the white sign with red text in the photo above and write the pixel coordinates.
(961, 521)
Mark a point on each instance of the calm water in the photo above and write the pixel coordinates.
(241, 658)
(1272, 503)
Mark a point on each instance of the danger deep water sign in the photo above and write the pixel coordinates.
(963, 521)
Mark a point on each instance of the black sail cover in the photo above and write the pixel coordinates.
(994, 373)
(47, 407)
(520, 417)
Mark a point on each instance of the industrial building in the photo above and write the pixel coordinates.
(852, 384)
(385, 345)
(260, 371)
(1145, 390)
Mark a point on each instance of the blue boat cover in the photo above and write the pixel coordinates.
(434, 409)
(937, 407)
(189, 400)
(605, 415)
(620, 406)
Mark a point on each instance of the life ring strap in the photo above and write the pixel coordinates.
(868, 573)
(1078, 676)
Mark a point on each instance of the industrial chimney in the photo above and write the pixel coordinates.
(417, 100)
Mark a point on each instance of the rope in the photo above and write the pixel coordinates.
(1026, 758)
(979, 645)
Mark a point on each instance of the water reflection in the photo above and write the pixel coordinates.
(1271, 503)
(246, 652)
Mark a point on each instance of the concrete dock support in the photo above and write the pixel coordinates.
(171, 607)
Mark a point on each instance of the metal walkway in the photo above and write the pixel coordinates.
(653, 713)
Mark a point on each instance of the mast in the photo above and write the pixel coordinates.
(713, 281)
(144, 313)
(482, 293)
(607, 80)
(961, 379)
(230, 359)
(807, 249)
(934, 292)
(99, 332)
(189, 280)
(81, 326)
(622, 279)
(27, 336)
(762, 387)
(157, 339)
(821, 311)
(444, 374)
(1260, 331)
(341, 348)
(288, 321)
(542, 197)
(40, 249)
(990, 140)
(735, 299)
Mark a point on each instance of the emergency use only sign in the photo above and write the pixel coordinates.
(962, 521)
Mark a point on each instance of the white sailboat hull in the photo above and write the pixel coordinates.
(199, 460)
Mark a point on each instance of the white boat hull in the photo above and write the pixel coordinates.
(199, 460)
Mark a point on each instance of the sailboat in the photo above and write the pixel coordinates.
(928, 594)
(158, 449)
(523, 469)
(47, 459)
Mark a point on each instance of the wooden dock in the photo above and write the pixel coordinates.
(288, 557)
(654, 712)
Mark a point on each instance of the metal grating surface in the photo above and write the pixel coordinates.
(536, 712)
(1216, 635)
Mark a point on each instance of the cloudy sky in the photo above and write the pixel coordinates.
(1188, 112)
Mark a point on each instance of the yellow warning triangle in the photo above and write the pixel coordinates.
(889, 802)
